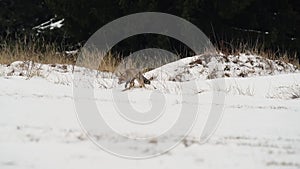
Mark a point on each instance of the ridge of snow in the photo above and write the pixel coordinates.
(219, 66)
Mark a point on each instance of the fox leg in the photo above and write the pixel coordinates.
(141, 82)
(140, 79)
(130, 82)
(126, 84)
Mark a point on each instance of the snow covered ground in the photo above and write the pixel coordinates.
(259, 129)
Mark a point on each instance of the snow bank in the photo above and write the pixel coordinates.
(218, 66)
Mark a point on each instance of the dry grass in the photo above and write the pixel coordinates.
(234, 48)
(94, 59)
(115, 62)
(33, 51)
(39, 52)
(50, 54)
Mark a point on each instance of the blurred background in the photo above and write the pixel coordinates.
(271, 26)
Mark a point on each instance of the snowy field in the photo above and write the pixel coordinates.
(259, 129)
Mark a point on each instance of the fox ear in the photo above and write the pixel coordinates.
(147, 69)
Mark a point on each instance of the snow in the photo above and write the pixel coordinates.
(259, 128)
(208, 67)
(53, 23)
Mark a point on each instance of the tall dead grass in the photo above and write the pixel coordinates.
(258, 48)
(50, 53)
(38, 51)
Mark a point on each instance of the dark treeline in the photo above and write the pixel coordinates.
(274, 24)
